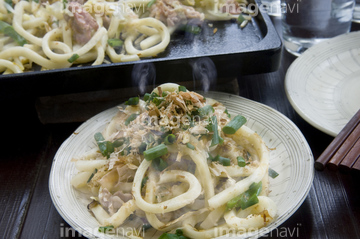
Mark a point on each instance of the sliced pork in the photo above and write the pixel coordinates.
(82, 23)
(172, 12)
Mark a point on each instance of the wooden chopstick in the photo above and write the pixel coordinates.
(351, 157)
(344, 149)
(334, 146)
(356, 165)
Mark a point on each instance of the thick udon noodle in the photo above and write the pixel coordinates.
(191, 192)
(49, 34)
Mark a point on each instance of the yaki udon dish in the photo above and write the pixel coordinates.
(177, 163)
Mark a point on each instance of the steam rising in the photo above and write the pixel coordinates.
(204, 71)
(142, 75)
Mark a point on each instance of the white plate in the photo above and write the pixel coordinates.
(291, 157)
(323, 84)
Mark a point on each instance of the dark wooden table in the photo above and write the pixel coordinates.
(331, 210)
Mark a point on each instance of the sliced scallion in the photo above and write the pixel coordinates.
(155, 152)
(92, 175)
(73, 58)
(132, 101)
(130, 118)
(182, 88)
(147, 96)
(216, 137)
(206, 110)
(241, 161)
(106, 229)
(234, 124)
(224, 161)
(227, 112)
(169, 139)
(151, 3)
(105, 147)
(115, 42)
(119, 142)
(273, 173)
(246, 199)
(157, 100)
(240, 19)
(142, 147)
(10, 31)
(190, 146)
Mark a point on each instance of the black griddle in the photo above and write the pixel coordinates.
(231, 50)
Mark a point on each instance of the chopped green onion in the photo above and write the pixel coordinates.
(147, 96)
(132, 101)
(143, 181)
(10, 31)
(234, 124)
(224, 161)
(164, 94)
(119, 142)
(151, 3)
(273, 173)
(246, 199)
(206, 110)
(99, 137)
(216, 137)
(169, 139)
(92, 175)
(73, 58)
(159, 164)
(192, 29)
(115, 42)
(182, 88)
(142, 147)
(211, 158)
(241, 161)
(157, 100)
(130, 118)
(240, 19)
(255, 188)
(106, 229)
(106, 147)
(155, 152)
(190, 146)
(227, 112)
(150, 97)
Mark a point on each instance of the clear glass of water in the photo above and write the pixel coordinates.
(307, 22)
(356, 15)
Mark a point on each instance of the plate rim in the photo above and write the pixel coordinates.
(280, 219)
(309, 55)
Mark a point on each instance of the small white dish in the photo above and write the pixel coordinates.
(290, 156)
(323, 84)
